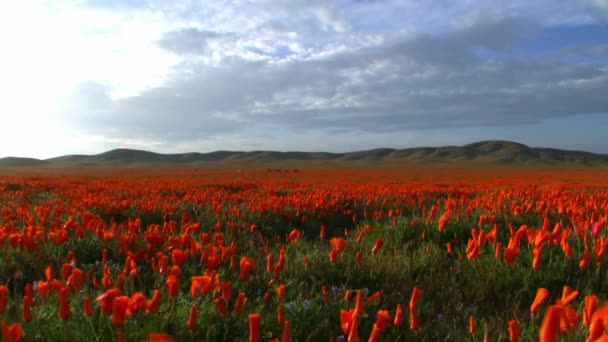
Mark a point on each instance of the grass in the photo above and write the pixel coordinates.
(414, 255)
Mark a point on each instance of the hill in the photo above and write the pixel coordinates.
(484, 153)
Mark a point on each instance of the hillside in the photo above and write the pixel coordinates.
(485, 153)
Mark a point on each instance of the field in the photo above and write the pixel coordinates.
(419, 254)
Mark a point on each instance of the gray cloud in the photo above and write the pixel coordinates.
(282, 75)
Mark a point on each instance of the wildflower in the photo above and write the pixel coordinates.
(254, 327)
(541, 295)
(193, 318)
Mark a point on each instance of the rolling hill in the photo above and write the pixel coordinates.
(488, 153)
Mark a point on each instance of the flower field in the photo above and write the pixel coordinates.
(393, 255)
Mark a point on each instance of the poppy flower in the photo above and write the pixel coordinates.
(377, 245)
(398, 316)
(226, 290)
(286, 332)
(255, 320)
(173, 286)
(193, 317)
(65, 312)
(158, 337)
(472, 327)
(241, 300)
(591, 303)
(88, 309)
(270, 263)
(11, 333)
(514, 331)
(137, 302)
(119, 310)
(3, 298)
(280, 315)
(550, 328)
(246, 267)
(541, 295)
(106, 300)
(76, 279)
(27, 308)
(220, 303)
(281, 289)
(359, 307)
(414, 322)
(153, 305)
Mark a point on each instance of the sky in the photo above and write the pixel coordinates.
(84, 77)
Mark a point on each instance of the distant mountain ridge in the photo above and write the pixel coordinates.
(493, 152)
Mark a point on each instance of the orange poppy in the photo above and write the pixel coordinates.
(65, 312)
(153, 305)
(286, 332)
(88, 309)
(255, 320)
(398, 316)
(158, 337)
(541, 295)
(550, 329)
(220, 303)
(240, 303)
(281, 289)
(3, 298)
(11, 333)
(173, 286)
(280, 315)
(472, 327)
(193, 318)
(377, 245)
(119, 310)
(106, 300)
(514, 331)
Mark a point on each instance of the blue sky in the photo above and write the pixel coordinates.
(315, 75)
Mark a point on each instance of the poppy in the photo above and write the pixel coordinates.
(11, 333)
(541, 295)
(514, 331)
(173, 286)
(270, 263)
(65, 312)
(255, 321)
(240, 303)
(398, 316)
(119, 310)
(286, 332)
(246, 267)
(220, 302)
(281, 289)
(414, 322)
(76, 279)
(27, 308)
(226, 290)
(550, 329)
(353, 335)
(3, 298)
(591, 303)
(153, 305)
(106, 300)
(193, 318)
(377, 245)
(88, 309)
(280, 315)
(472, 327)
(158, 337)
(137, 302)
(359, 307)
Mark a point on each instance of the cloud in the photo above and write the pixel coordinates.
(256, 72)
